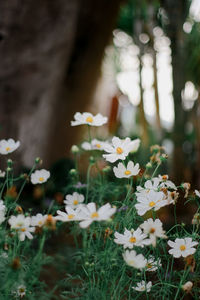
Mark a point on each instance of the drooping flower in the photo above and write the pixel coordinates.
(134, 260)
(125, 172)
(94, 145)
(153, 229)
(8, 146)
(187, 286)
(153, 264)
(182, 247)
(40, 176)
(22, 225)
(119, 149)
(2, 174)
(90, 213)
(89, 119)
(165, 182)
(38, 220)
(143, 287)
(131, 238)
(74, 200)
(152, 200)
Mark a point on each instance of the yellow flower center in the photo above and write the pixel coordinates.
(7, 148)
(41, 179)
(119, 150)
(94, 215)
(127, 172)
(21, 290)
(132, 240)
(152, 230)
(182, 247)
(131, 262)
(149, 266)
(152, 203)
(164, 177)
(70, 216)
(75, 202)
(23, 229)
(40, 223)
(89, 119)
(98, 145)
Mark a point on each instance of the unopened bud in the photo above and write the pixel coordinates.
(37, 160)
(148, 165)
(92, 160)
(73, 172)
(75, 149)
(187, 286)
(9, 162)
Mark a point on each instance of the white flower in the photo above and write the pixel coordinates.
(142, 286)
(94, 145)
(74, 200)
(134, 260)
(197, 193)
(89, 119)
(171, 197)
(125, 172)
(70, 215)
(21, 291)
(2, 174)
(182, 247)
(152, 200)
(149, 185)
(153, 229)
(2, 212)
(152, 264)
(119, 149)
(130, 238)
(90, 213)
(38, 220)
(40, 176)
(164, 182)
(187, 286)
(22, 225)
(8, 146)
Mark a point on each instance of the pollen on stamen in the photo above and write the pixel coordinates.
(70, 216)
(98, 145)
(75, 202)
(7, 148)
(152, 203)
(89, 119)
(182, 247)
(119, 150)
(94, 215)
(127, 172)
(132, 239)
(41, 179)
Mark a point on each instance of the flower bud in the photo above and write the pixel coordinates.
(9, 163)
(148, 165)
(92, 160)
(74, 149)
(73, 172)
(106, 169)
(37, 160)
(187, 286)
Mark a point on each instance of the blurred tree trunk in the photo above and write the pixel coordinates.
(177, 12)
(51, 53)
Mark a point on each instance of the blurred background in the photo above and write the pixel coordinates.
(136, 61)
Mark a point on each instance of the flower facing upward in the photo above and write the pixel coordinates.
(40, 176)
(74, 200)
(120, 149)
(142, 286)
(8, 146)
(182, 247)
(21, 291)
(89, 119)
(70, 215)
(90, 213)
(125, 172)
(134, 260)
(152, 200)
(130, 238)
(94, 145)
(22, 225)
(153, 229)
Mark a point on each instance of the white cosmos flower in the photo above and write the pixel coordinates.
(2, 212)
(153, 229)
(153, 264)
(70, 214)
(152, 200)
(2, 174)
(134, 260)
(182, 247)
(38, 220)
(197, 193)
(90, 213)
(40, 176)
(8, 146)
(142, 286)
(125, 172)
(164, 182)
(74, 200)
(171, 197)
(119, 149)
(130, 238)
(21, 291)
(89, 119)
(22, 225)
(149, 185)
(94, 145)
